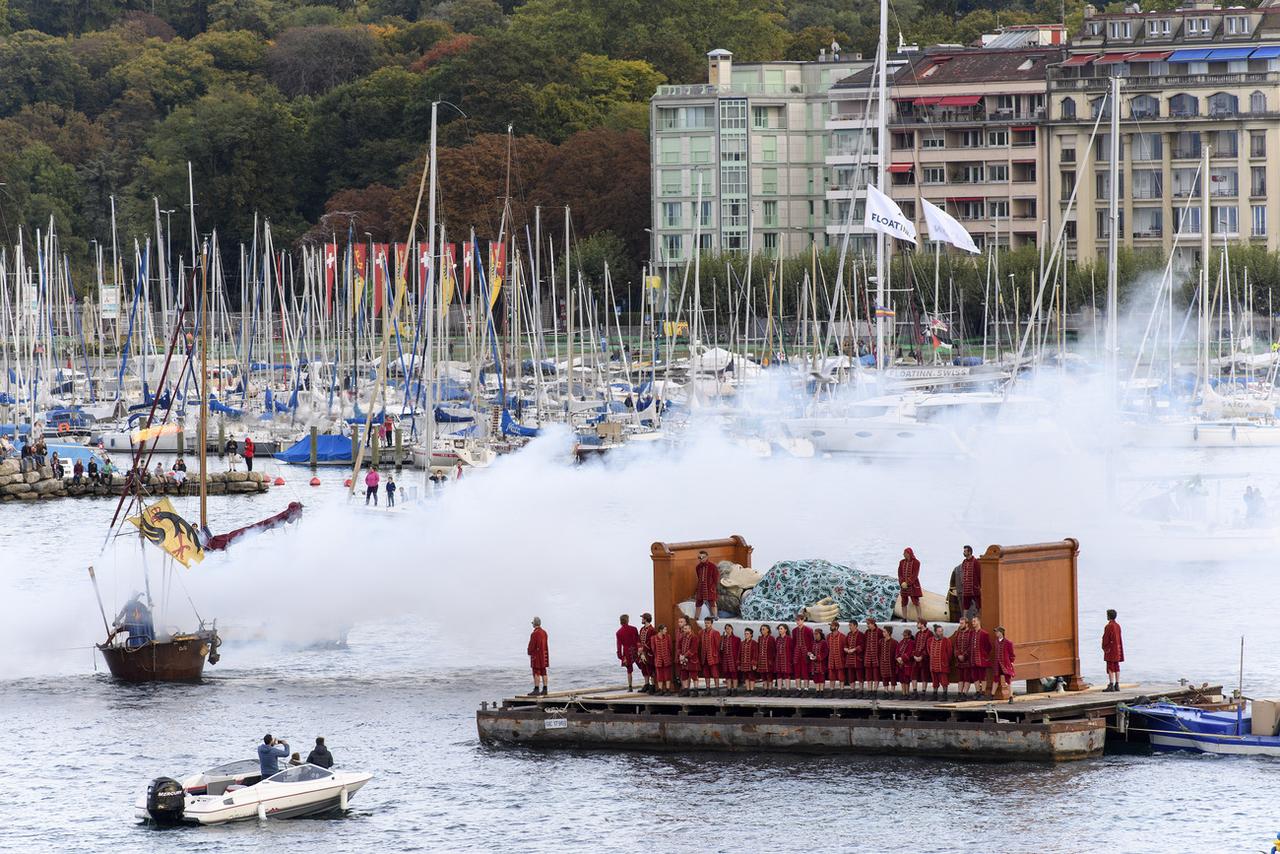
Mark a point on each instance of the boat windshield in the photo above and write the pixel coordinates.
(300, 774)
(242, 767)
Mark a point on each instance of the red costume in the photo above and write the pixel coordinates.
(644, 649)
(939, 661)
(768, 647)
(662, 657)
(539, 654)
(1112, 646)
(730, 652)
(888, 648)
(1002, 658)
(854, 652)
(909, 578)
(921, 671)
(960, 648)
(708, 584)
(970, 584)
(835, 655)
(687, 654)
(802, 642)
(710, 651)
(906, 648)
(871, 654)
(979, 652)
(748, 657)
(818, 670)
(783, 651)
(628, 640)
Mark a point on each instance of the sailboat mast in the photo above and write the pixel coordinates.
(882, 151)
(429, 367)
(1113, 237)
(204, 392)
(1204, 265)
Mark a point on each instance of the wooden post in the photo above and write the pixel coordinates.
(399, 447)
(376, 448)
(182, 442)
(315, 441)
(355, 440)
(222, 436)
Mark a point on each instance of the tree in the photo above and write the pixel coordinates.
(473, 182)
(596, 254)
(313, 60)
(171, 73)
(259, 16)
(36, 67)
(469, 16)
(375, 209)
(807, 44)
(234, 50)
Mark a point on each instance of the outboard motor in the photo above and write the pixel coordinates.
(166, 800)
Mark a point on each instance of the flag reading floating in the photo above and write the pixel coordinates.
(944, 228)
(884, 215)
(161, 525)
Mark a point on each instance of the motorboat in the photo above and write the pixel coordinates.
(236, 792)
(1242, 731)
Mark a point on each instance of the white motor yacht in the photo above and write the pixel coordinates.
(235, 792)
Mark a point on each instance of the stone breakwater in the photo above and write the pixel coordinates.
(39, 484)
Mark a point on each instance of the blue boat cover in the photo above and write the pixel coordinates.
(511, 428)
(329, 449)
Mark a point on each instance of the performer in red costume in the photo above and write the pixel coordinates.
(920, 660)
(960, 649)
(767, 656)
(970, 583)
(662, 659)
(904, 658)
(1112, 650)
(836, 641)
(909, 580)
(708, 586)
(818, 667)
(802, 664)
(688, 657)
(874, 641)
(627, 641)
(783, 651)
(709, 641)
(980, 655)
(644, 651)
(748, 658)
(939, 661)
(1001, 672)
(539, 656)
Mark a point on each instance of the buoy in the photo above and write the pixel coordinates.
(279, 481)
(262, 811)
(342, 799)
(347, 483)
(315, 481)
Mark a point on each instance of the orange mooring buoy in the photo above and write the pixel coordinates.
(315, 481)
(347, 483)
(279, 481)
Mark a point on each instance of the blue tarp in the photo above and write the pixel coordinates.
(218, 406)
(511, 428)
(443, 416)
(329, 449)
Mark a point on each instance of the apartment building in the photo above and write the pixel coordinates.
(1190, 78)
(964, 131)
(738, 163)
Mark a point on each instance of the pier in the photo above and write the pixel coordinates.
(1041, 727)
(41, 484)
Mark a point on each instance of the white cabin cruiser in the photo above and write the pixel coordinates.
(235, 792)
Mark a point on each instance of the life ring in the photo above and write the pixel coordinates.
(64, 427)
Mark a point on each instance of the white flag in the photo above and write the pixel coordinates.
(884, 215)
(944, 228)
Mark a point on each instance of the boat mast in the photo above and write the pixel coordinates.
(881, 155)
(1204, 265)
(429, 367)
(1113, 235)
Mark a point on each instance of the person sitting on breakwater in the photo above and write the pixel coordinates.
(6, 448)
(108, 471)
(26, 459)
(270, 752)
(55, 464)
(93, 470)
(39, 452)
(371, 486)
(77, 472)
(320, 756)
(179, 473)
(159, 470)
(539, 657)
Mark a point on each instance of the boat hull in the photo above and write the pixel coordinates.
(180, 659)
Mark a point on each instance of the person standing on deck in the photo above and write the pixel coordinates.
(920, 660)
(320, 756)
(836, 641)
(888, 651)
(979, 655)
(539, 657)
(371, 486)
(904, 657)
(644, 651)
(939, 661)
(1000, 675)
(854, 646)
(708, 586)
(1112, 650)
(248, 454)
(748, 659)
(871, 658)
(818, 667)
(765, 660)
(662, 660)
(784, 652)
(687, 653)
(970, 589)
(709, 655)
(804, 652)
(960, 648)
(909, 581)
(730, 656)
(270, 752)
(627, 640)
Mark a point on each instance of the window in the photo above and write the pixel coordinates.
(1259, 213)
(935, 175)
(668, 118)
(1005, 102)
(1148, 184)
(998, 208)
(733, 149)
(769, 181)
(1143, 107)
(1186, 145)
(997, 138)
(671, 217)
(771, 243)
(1148, 222)
(1103, 146)
(733, 114)
(1120, 30)
(1147, 146)
(704, 242)
(971, 139)
(1225, 143)
(700, 149)
(1197, 26)
(1237, 25)
(733, 181)
(1068, 155)
(1067, 109)
(1102, 183)
(1224, 182)
(1100, 105)
(769, 149)
(1257, 143)
(1224, 219)
(998, 173)
(1181, 106)
(671, 182)
(669, 150)
(733, 214)
(704, 220)
(970, 173)
(933, 141)
(1095, 28)
(1186, 183)
(760, 118)
(769, 213)
(1257, 103)
(1158, 27)
(970, 210)
(1258, 181)
(1068, 184)
(1223, 104)
(673, 245)
(1188, 219)
(1104, 223)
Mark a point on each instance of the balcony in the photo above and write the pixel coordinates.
(1164, 81)
(707, 90)
(963, 116)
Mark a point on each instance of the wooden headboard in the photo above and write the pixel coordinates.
(674, 579)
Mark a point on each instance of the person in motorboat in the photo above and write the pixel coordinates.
(295, 760)
(270, 752)
(320, 756)
(135, 618)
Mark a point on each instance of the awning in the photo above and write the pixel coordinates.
(1110, 58)
(960, 101)
(900, 167)
(1026, 128)
(1266, 53)
(1024, 161)
(926, 102)
(1149, 56)
(965, 198)
(1223, 54)
(1199, 54)
(1080, 59)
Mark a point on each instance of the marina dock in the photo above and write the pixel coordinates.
(1044, 727)
(39, 484)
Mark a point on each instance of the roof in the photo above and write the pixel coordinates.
(978, 66)
(718, 52)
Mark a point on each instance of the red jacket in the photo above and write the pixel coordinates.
(749, 656)
(539, 654)
(710, 643)
(835, 649)
(1002, 656)
(662, 656)
(730, 650)
(1112, 643)
(627, 639)
(909, 574)
(939, 654)
(708, 580)
(980, 648)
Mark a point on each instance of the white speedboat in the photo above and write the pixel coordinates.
(235, 792)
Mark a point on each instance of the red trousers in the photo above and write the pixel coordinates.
(1113, 667)
(664, 674)
(975, 601)
(940, 679)
(711, 671)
